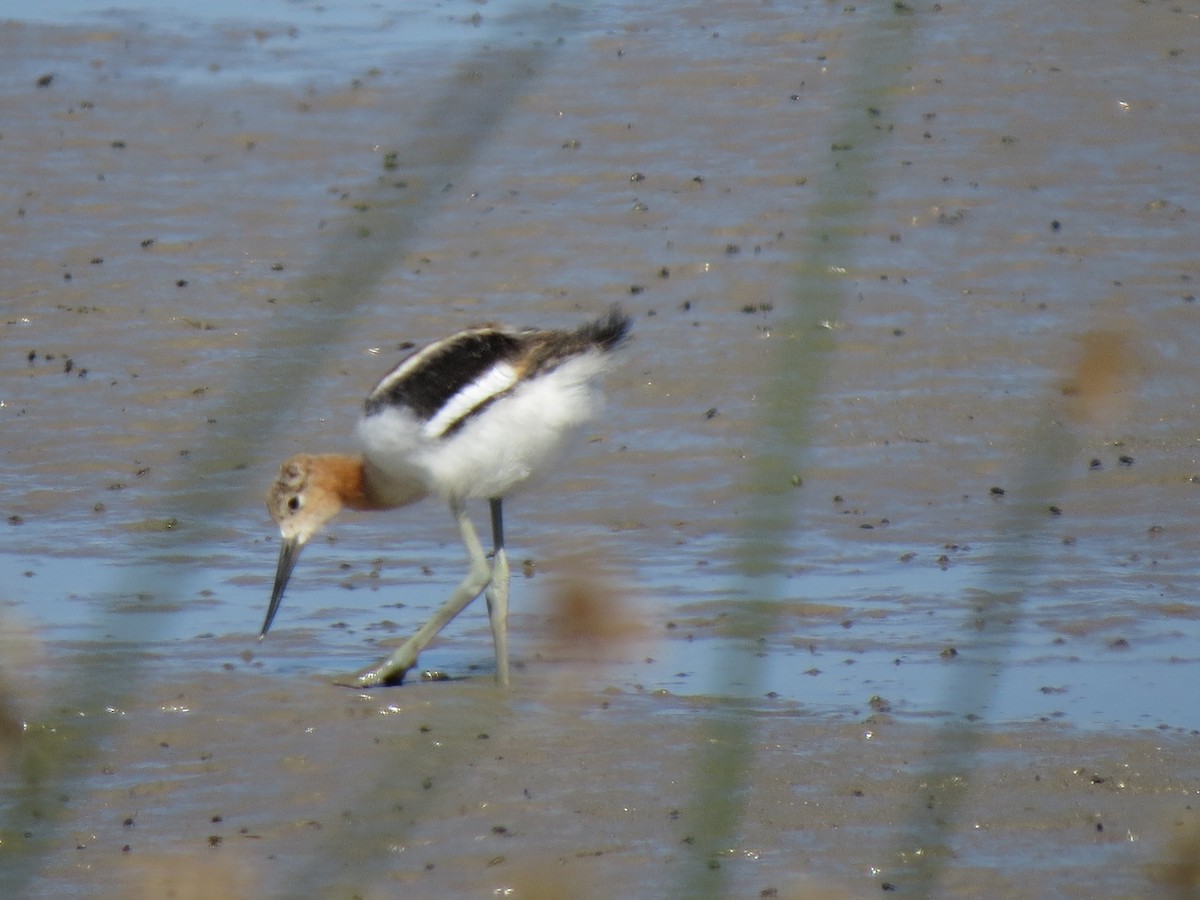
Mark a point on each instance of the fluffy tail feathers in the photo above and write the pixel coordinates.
(607, 333)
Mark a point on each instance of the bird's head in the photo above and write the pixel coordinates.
(303, 498)
(306, 494)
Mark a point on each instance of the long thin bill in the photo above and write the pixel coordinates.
(289, 552)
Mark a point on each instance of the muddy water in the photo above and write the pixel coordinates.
(896, 474)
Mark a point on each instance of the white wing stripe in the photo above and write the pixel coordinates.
(495, 381)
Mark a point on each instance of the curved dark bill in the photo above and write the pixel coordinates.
(289, 552)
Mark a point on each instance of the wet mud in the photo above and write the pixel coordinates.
(877, 573)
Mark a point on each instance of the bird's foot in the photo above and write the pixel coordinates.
(376, 676)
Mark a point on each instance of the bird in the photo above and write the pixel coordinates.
(468, 417)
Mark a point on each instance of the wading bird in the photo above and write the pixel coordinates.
(469, 417)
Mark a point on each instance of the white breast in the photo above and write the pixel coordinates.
(497, 449)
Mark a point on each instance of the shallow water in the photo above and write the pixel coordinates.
(965, 234)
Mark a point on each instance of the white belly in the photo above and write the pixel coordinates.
(516, 436)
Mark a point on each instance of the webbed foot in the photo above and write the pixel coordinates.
(381, 675)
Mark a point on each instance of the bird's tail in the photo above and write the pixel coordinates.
(608, 332)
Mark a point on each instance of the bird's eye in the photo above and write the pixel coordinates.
(293, 502)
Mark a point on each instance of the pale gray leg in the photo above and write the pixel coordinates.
(497, 595)
(392, 670)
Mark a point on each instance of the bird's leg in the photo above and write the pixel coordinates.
(497, 595)
(391, 670)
